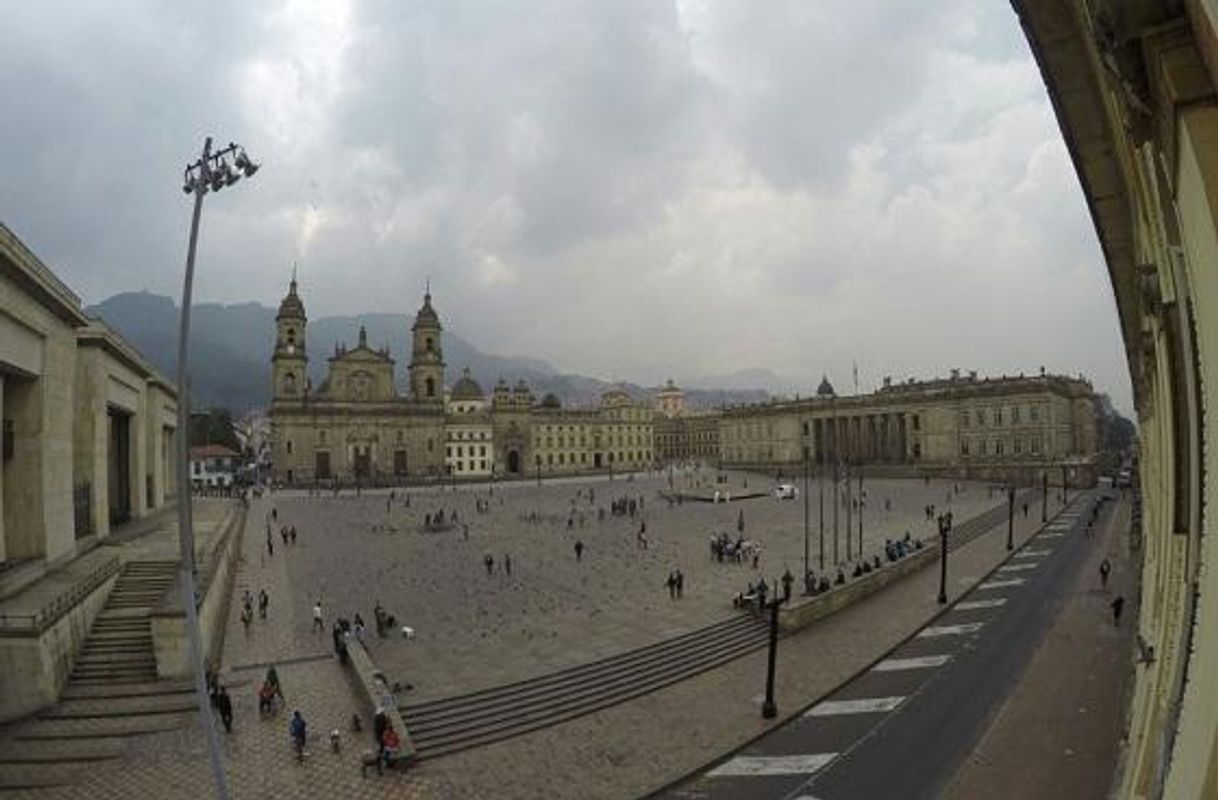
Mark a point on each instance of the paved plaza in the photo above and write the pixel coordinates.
(476, 629)
(347, 549)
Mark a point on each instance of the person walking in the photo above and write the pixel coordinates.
(224, 704)
(1105, 569)
(507, 563)
(270, 542)
(318, 622)
(579, 549)
(1118, 605)
(680, 584)
(298, 730)
(672, 585)
(489, 561)
(264, 601)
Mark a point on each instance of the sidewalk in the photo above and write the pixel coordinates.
(1058, 733)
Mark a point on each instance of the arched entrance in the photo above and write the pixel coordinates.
(513, 462)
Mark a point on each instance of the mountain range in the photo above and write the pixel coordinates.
(231, 350)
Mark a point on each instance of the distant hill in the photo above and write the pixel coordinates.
(231, 350)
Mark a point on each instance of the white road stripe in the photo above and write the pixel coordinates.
(1052, 535)
(868, 705)
(1033, 553)
(920, 662)
(972, 605)
(950, 630)
(741, 766)
(1001, 584)
(1017, 567)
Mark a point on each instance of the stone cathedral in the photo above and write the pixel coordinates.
(356, 425)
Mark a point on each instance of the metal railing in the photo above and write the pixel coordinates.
(36, 622)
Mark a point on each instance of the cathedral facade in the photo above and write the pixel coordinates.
(356, 426)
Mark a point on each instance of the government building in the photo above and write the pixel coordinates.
(1008, 428)
(356, 426)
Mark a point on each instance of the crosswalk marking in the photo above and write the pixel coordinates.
(1016, 567)
(919, 662)
(972, 605)
(742, 766)
(1033, 553)
(950, 630)
(868, 705)
(1001, 584)
(1052, 535)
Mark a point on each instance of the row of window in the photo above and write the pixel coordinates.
(459, 450)
(999, 416)
(999, 447)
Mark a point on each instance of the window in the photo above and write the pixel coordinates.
(998, 447)
(289, 445)
(431, 345)
(980, 417)
(431, 386)
(1015, 416)
(998, 416)
(916, 422)
(1034, 413)
(321, 436)
(964, 447)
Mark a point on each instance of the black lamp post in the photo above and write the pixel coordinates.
(849, 504)
(862, 503)
(537, 461)
(1011, 517)
(1065, 486)
(807, 465)
(820, 485)
(769, 709)
(1044, 496)
(945, 527)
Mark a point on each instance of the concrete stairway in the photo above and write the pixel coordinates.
(112, 698)
(118, 649)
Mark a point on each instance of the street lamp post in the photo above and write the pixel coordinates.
(807, 469)
(1065, 486)
(537, 461)
(1010, 517)
(1044, 496)
(211, 172)
(820, 485)
(861, 504)
(849, 503)
(769, 709)
(945, 527)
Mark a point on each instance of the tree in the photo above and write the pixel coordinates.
(214, 427)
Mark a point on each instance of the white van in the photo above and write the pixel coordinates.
(785, 491)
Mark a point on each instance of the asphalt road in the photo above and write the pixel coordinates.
(901, 728)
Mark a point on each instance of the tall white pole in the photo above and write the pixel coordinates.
(185, 531)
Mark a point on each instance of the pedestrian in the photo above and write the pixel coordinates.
(672, 586)
(787, 580)
(1117, 606)
(270, 543)
(224, 704)
(247, 616)
(274, 514)
(579, 549)
(283, 534)
(1105, 569)
(264, 600)
(507, 563)
(1025, 510)
(680, 584)
(298, 729)
(465, 532)
(489, 561)
(292, 534)
(318, 623)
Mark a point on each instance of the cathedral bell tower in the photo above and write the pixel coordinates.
(426, 356)
(289, 363)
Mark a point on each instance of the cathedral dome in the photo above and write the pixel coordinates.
(825, 389)
(466, 388)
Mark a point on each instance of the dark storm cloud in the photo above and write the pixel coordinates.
(634, 189)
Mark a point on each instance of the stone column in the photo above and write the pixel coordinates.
(3, 549)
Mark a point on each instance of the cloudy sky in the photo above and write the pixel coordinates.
(628, 189)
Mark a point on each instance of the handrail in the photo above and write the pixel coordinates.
(41, 619)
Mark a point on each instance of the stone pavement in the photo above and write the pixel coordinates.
(1058, 734)
(616, 753)
(475, 630)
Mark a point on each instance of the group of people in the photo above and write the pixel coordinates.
(247, 607)
(676, 584)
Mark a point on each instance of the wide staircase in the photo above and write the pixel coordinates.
(112, 697)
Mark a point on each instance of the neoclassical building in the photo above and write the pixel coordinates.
(355, 425)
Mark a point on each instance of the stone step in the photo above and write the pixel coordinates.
(14, 777)
(97, 707)
(115, 667)
(140, 658)
(133, 625)
(120, 616)
(54, 729)
(61, 751)
(113, 643)
(152, 688)
(108, 683)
